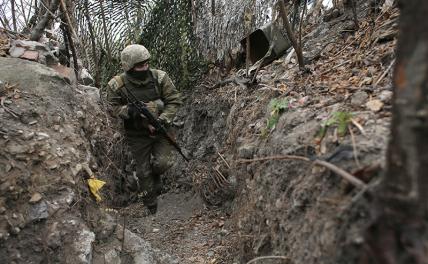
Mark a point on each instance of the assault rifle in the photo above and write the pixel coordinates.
(142, 109)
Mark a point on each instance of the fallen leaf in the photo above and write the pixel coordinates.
(366, 81)
(374, 105)
(36, 197)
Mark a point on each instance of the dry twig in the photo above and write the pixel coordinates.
(268, 257)
(344, 174)
(384, 73)
(354, 146)
(335, 67)
(221, 156)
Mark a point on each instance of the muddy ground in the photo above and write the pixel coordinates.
(226, 205)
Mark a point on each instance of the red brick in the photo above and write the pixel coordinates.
(30, 55)
(66, 72)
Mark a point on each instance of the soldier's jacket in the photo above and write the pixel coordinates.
(157, 86)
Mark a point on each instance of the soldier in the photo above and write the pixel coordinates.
(152, 152)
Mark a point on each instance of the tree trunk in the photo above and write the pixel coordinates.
(105, 30)
(12, 6)
(399, 234)
(93, 45)
(290, 34)
(37, 32)
(70, 33)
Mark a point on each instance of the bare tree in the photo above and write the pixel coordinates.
(399, 234)
(105, 30)
(297, 46)
(12, 7)
(37, 31)
(70, 33)
(93, 44)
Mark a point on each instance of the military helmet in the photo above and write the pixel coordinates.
(132, 55)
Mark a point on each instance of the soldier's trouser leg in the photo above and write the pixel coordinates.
(162, 161)
(141, 148)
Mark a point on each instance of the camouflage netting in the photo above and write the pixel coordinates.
(181, 35)
(164, 27)
(168, 34)
(220, 25)
(123, 20)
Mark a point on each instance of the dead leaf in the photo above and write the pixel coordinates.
(36, 197)
(374, 105)
(366, 81)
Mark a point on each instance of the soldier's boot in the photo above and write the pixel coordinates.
(157, 184)
(151, 202)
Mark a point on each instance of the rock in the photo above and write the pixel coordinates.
(36, 197)
(80, 115)
(53, 239)
(38, 211)
(42, 136)
(359, 98)
(334, 13)
(48, 58)
(66, 72)
(92, 92)
(85, 78)
(82, 248)
(386, 96)
(30, 45)
(32, 50)
(4, 234)
(16, 52)
(112, 257)
(2, 87)
(366, 81)
(28, 135)
(106, 228)
(246, 151)
(15, 148)
(374, 105)
(141, 250)
(31, 55)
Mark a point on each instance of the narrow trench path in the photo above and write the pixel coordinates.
(184, 228)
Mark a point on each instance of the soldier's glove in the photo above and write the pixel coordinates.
(164, 122)
(123, 112)
(153, 108)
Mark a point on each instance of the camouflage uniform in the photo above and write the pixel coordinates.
(152, 152)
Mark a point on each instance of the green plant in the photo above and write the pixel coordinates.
(276, 107)
(338, 119)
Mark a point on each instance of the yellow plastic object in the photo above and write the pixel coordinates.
(94, 186)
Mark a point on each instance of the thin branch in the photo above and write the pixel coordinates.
(267, 257)
(105, 30)
(354, 11)
(123, 234)
(12, 6)
(93, 44)
(384, 73)
(301, 23)
(335, 67)
(283, 11)
(3, 20)
(346, 175)
(37, 32)
(70, 38)
(221, 156)
(354, 146)
(261, 61)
